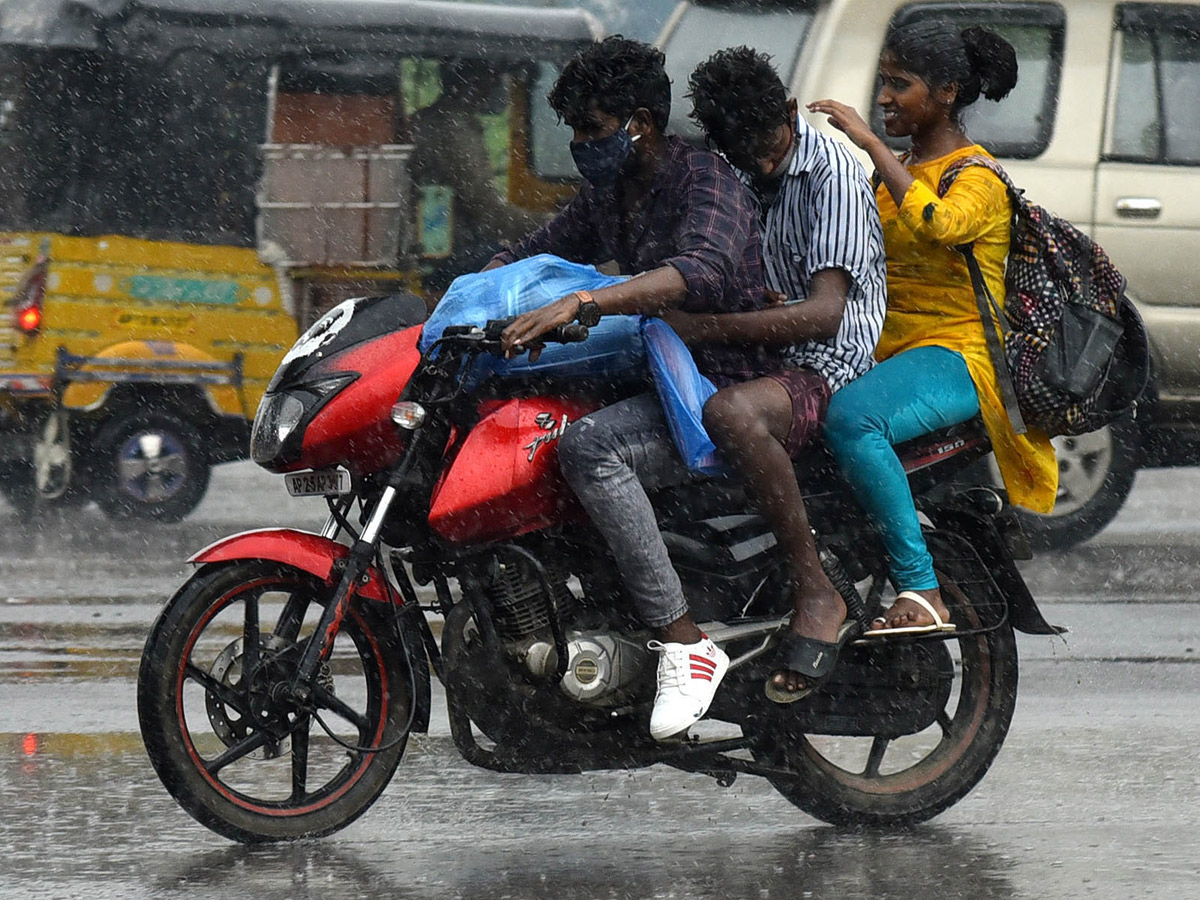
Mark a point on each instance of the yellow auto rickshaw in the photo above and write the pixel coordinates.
(183, 187)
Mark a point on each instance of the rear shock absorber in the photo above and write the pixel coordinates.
(855, 607)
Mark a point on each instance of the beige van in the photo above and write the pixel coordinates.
(1103, 129)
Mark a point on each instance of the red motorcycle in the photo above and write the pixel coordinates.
(279, 686)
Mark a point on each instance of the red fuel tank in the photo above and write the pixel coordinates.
(505, 481)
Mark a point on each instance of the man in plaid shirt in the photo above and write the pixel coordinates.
(679, 219)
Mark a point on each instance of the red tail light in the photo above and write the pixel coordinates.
(29, 319)
(27, 302)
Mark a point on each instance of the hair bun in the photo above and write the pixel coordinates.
(993, 60)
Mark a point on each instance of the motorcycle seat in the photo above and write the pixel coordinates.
(928, 460)
(968, 438)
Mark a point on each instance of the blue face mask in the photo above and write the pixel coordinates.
(600, 161)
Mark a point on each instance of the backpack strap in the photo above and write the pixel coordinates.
(983, 297)
(986, 303)
(1015, 194)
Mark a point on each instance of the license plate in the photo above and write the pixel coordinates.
(320, 483)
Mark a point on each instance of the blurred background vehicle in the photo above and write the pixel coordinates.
(1103, 128)
(185, 186)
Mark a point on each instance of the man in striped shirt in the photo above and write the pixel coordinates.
(824, 260)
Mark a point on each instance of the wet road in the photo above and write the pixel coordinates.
(1094, 794)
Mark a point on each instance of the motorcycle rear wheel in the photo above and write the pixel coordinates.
(242, 761)
(882, 782)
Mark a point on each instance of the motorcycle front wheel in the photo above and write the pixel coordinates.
(889, 781)
(225, 739)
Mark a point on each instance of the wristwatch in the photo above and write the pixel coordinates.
(588, 313)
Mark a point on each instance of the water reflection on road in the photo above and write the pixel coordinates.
(817, 863)
(94, 822)
(1093, 794)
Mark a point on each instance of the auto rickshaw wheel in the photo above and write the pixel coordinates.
(149, 464)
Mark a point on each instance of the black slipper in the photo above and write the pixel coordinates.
(809, 658)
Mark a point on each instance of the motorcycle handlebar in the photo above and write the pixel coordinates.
(488, 337)
(570, 333)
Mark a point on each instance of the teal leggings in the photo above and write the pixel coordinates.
(909, 395)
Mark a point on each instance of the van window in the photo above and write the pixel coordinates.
(203, 117)
(1156, 118)
(44, 139)
(1020, 125)
(421, 87)
(775, 30)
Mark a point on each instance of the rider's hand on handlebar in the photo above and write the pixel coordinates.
(523, 333)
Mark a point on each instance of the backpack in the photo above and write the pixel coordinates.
(1075, 355)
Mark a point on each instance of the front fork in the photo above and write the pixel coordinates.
(319, 647)
(407, 474)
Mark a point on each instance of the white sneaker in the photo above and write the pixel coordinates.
(688, 677)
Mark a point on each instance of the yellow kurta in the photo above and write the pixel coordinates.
(931, 301)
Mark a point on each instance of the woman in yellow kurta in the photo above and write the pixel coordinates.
(934, 367)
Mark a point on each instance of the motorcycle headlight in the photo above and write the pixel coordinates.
(284, 414)
(276, 419)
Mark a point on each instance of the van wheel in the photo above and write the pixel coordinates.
(1095, 475)
(149, 465)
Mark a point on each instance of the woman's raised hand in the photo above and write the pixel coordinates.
(846, 119)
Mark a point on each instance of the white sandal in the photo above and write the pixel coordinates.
(937, 624)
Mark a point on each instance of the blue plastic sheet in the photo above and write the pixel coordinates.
(613, 350)
(620, 346)
(682, 391)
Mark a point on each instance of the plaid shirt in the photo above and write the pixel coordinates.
(697, 218)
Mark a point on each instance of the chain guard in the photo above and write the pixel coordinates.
(879, 691)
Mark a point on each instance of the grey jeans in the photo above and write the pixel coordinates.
(610, 458)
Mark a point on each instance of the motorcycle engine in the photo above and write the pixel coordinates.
(602, 663)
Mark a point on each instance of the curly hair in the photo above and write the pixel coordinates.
(617, 76)
(738, 99)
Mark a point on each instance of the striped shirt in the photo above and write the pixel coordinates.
(824, 216)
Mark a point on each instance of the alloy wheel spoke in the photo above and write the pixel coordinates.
(944, 722)
(219, 689)
(174, 466)
(300, 759)
(132, 469)
(242, 748)
(327, 700)
(879, 746)
(292, 617)
(1094, 443)
(250, 642)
